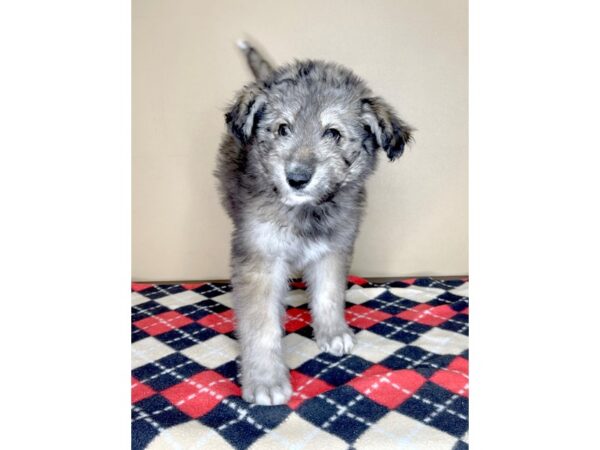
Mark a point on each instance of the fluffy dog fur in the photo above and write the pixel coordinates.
(301, 142)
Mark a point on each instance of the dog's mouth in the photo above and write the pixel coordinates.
(303, 198)
(296, 198)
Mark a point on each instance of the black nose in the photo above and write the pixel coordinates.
(299, 178)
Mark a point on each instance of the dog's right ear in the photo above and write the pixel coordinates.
(244, 116)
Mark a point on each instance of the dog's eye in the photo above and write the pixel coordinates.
(332, 133)
(283, 130)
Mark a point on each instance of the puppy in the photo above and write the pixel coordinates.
(301, 141)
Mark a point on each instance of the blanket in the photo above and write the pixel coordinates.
(405, 385)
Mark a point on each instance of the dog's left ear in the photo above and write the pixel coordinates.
(243, 116)
(385, 127)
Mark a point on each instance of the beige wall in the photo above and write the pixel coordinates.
(186, 68)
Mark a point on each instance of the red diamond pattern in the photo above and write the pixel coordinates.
(140, 391)
(220, 322)
(363, 317)
(357, 280)
(305, 387)
(428, 315)
(201, 393)
(296, 319)
(161, 323)
(190, 286)
(140, 286)
(388, 388)
(455, 377)
(298, 285)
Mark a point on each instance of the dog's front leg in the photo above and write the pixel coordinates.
(258, 290)
(326, 280)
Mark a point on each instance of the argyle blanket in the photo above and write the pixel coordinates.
(405, 385)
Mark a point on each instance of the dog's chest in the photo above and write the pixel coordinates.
(274, 241)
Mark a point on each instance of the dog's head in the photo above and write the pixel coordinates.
(313, 128)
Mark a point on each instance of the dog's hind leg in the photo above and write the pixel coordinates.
(258, 291)
(326, 279)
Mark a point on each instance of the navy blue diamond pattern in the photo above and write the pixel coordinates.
(343, 412)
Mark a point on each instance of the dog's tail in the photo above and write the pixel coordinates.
(258, 64)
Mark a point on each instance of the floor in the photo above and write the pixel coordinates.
(404, 386)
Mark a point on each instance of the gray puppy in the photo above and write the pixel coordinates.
(302, 140)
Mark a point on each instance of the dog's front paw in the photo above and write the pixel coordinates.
(263, 393)
(337, 344)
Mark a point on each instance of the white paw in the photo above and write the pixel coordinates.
(263, 394)
(339, 344)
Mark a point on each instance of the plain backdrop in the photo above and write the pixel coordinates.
(186, 69)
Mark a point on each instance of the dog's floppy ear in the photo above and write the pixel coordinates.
(385, 127)
(243, 117)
